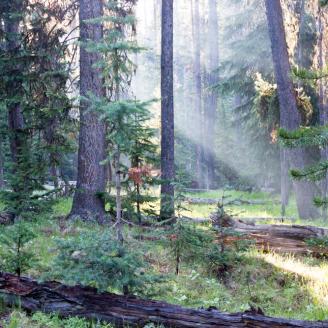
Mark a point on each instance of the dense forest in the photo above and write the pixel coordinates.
(163, 163)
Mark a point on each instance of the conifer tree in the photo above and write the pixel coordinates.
(167, 112)
(289, 115)
(91, 174)
(210, 112)
(25, 98)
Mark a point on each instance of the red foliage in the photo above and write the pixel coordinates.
(137, 173)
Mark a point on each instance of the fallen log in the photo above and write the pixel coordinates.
(279, 237)
(212, 201)
(53, 297)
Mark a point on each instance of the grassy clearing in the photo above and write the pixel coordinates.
(281, 285)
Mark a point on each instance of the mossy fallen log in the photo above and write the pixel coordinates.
(127, 311)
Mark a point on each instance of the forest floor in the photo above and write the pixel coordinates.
(281, 285)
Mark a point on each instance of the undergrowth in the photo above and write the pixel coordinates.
(282, 286)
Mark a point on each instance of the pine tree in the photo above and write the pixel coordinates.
(289, 115)
(91, 174)
(167, 112)
(26, 101)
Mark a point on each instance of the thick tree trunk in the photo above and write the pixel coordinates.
(125, 311)
(289, 115)
(211, 111)
(91, 174)
(199, 119)
(167, 112)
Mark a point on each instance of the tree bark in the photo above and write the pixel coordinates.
(120, 310)
(87, 203)
(167, 112)
(14, 88)
(198, 121)
(2, 163)
(118, 184)
(289, 115)
(15, 115)
(323, 102)
(285, 183)
(211, 111)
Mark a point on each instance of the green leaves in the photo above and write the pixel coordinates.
(305, 136)
(323, 3)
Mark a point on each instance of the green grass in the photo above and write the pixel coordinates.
(282, 286)
(18, 319)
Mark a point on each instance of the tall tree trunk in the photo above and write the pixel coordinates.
(118, 184)
(289, 115)
(167, 112)
(285, 183)
(14, 88)
(323, 103)
(2, 162)
(211, 111)
(198, 94)
(91, 174)
(284, 165)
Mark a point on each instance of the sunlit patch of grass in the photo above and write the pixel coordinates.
(255, 282)
(63, 206)
(313, 275)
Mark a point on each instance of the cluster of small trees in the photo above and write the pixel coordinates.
(38, 78)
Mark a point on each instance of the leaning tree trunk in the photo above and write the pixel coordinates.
(289, 115)
(87, 203)
(128, 311)
(167, 112)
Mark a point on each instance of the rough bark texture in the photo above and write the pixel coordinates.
(125, 311)
(91, 174)
(167, 112)
(211, 111)
(289, 115)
